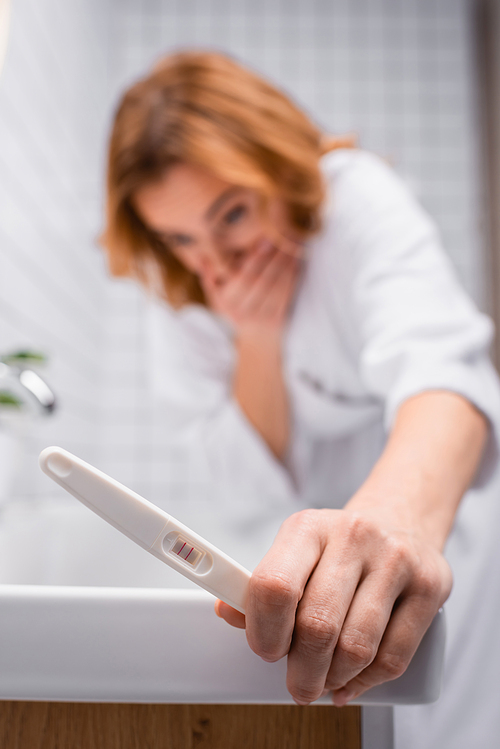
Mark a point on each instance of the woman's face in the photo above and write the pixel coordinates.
(210, 225)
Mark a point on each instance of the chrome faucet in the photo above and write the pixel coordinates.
(26, 382)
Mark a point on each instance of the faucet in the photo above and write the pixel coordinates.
(27, 382)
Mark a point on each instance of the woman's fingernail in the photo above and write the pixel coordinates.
(216, 609)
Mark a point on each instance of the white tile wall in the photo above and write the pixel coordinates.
(399, 73)
(52, 285)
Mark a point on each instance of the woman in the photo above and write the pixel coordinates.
(310, 307)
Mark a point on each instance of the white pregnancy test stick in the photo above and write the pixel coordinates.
(147, 525)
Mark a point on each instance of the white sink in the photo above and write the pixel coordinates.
(88, 615)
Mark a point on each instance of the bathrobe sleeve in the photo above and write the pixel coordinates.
(412, 326)
(192, 363)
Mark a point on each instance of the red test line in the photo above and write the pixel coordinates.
(183, 545)
(192, 547)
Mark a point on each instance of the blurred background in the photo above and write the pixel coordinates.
(409, 77)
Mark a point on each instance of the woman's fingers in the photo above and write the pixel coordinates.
(230, 615)
(389, 571)
(260, 291)
(428, 588)
(403, 634)
(268, 291)
(320, 620)
(363, 628)
(238, 288)
(277, 585)
(256, 279)
(226, 297)
(285, 292)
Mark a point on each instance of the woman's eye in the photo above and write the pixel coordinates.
(179, 240)
(234, 214)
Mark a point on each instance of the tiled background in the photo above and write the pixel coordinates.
(400, 73)
(53, 290)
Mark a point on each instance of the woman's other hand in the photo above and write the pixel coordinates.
(256, 297)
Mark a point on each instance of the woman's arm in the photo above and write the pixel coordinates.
(348, 594)
(428, 463)
(256, 300)
(259, 386)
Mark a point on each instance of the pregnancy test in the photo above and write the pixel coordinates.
(149, 526)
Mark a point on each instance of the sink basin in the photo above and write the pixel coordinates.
(89, 616)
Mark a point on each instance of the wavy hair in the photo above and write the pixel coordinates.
(205, 109)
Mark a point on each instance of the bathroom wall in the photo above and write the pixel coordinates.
(399, 73)
(488, 32)
(52, 284)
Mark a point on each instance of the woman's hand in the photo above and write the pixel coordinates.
(256, 298)
(348, 594)
(347, 597)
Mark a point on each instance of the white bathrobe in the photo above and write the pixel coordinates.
(379, 316)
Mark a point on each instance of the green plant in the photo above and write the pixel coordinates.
(24, 356)
(8, 399)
